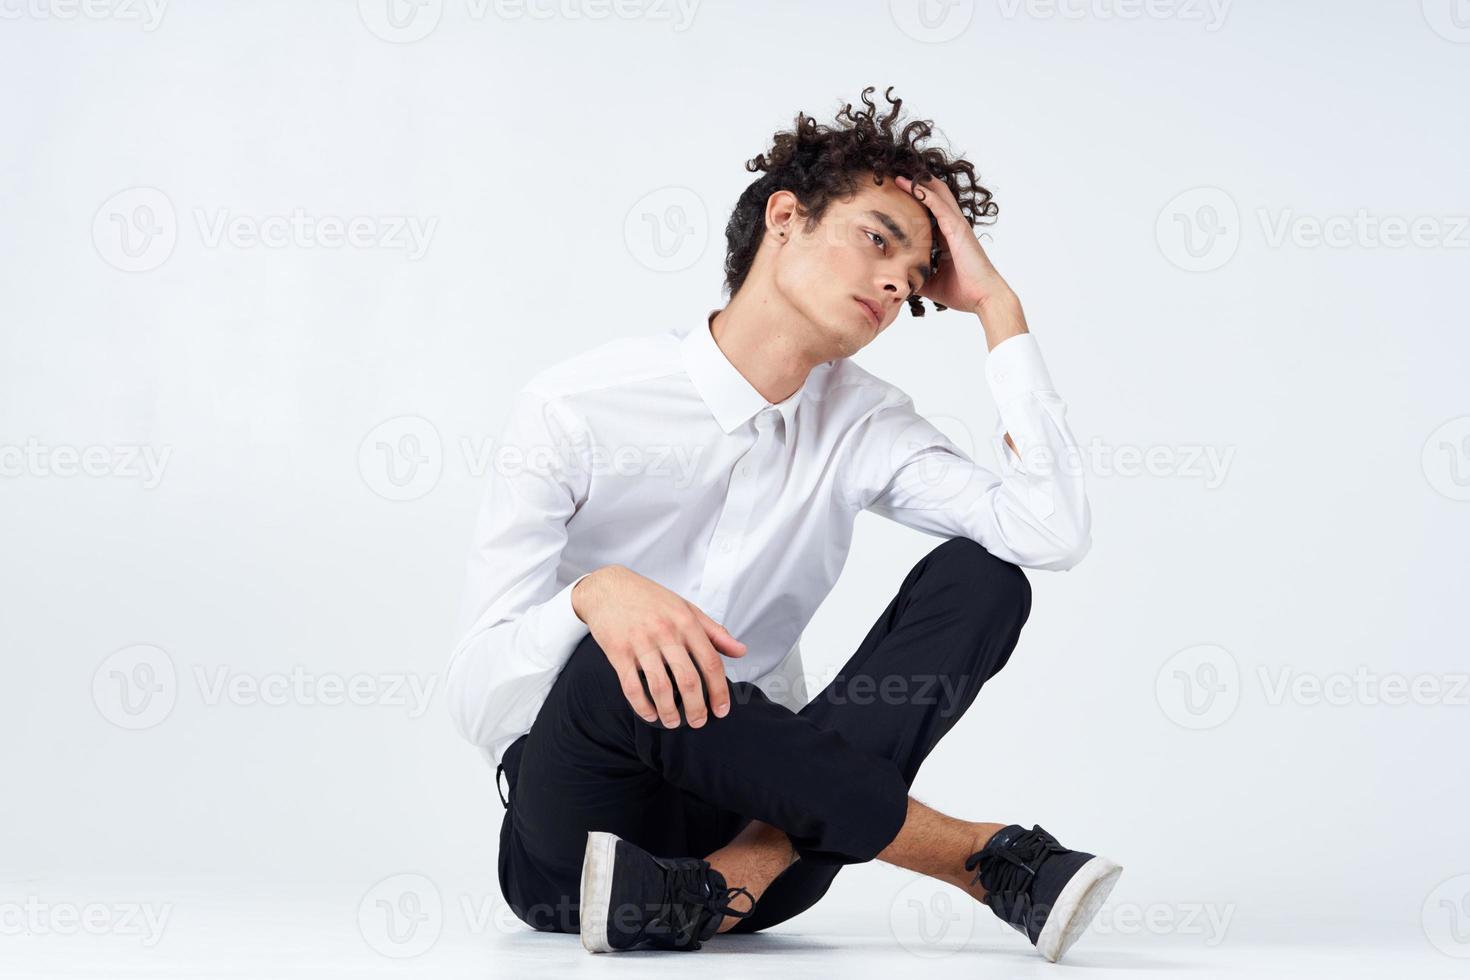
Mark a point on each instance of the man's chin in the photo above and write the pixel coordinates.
(848, 340)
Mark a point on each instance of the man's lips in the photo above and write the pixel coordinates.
(871, 309)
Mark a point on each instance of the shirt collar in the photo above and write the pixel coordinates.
(731, 399)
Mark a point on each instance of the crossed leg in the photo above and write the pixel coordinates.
(929, 843)
(763, 787)
(952, 625)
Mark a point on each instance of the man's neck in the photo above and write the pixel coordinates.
(769, 349)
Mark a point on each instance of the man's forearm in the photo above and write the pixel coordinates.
(1002, 318)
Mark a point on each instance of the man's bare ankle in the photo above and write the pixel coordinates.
(968, 880)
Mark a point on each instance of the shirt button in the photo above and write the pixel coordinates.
(726, 547)
(744, 470)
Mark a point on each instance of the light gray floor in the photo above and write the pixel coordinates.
(883, 924)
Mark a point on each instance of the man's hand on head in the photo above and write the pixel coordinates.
(643, 627)
(966, 279)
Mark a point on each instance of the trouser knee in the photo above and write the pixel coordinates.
(987, 598)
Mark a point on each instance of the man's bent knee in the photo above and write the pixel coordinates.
(981, 575)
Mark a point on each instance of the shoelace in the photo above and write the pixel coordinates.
(688, 888)
(1024, 853)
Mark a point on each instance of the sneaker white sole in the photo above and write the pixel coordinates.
(597, 879)
(1075, 907)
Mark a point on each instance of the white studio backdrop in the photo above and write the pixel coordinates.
(271, 272)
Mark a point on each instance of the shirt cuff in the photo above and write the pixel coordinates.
(560, 630)
(1015, 368)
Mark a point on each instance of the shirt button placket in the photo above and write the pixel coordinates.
(721, 563)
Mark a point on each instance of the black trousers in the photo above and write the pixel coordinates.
(834, 776)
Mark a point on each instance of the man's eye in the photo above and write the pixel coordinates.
(880, 238)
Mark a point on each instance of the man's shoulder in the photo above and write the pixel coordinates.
(620, 361)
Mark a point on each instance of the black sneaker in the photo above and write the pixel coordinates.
(630, 897)
(1041, 888)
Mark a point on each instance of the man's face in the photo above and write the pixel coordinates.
(873, 246)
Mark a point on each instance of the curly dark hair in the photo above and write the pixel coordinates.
(818, 163)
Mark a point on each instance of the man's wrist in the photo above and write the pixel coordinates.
(1001, 316)
(583, 594)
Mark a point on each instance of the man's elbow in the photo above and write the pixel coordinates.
(1075, 541)
(466, 713)
(454, 704)
(1073, 552)
(1070, 543)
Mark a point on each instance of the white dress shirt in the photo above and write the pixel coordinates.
(655, 453)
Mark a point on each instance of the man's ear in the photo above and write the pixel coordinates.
(784, 208)
(781, 210)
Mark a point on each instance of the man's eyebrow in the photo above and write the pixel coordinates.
(883, 218)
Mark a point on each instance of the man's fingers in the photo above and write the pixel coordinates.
(720, 636)
(688, 680)
(660, 688)
(938, 198)
(633, 690)
(708, 660)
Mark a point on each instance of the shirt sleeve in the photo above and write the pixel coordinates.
(517, 625)
(1033, 513)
